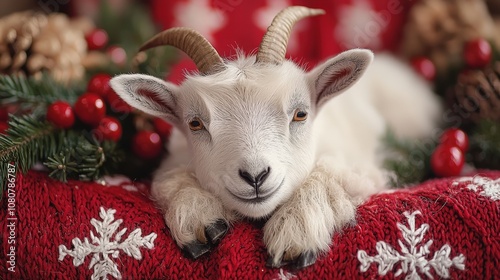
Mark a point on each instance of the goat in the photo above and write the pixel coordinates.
(255, 137)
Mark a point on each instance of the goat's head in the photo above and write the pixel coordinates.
(249, 121)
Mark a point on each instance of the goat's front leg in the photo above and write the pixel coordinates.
(195, 217)
(302, 227)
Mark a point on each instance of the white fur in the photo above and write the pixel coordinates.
(320, 168)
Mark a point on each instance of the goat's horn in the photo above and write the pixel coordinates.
(192, 43)
(273, 46)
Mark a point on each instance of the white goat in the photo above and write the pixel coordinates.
(256, 137)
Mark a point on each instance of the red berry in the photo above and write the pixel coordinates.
(3, 127)
(477, 53)
(96, 39)
(99, 84)
(90, 108)
(425, 67)
(109, 129)
(447, 161)
(163, 128)
(117, 55)
(147, 144)
(455, 137)
(61, 114)
(116, 102)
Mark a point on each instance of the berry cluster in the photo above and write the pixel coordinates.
(97, 39)
(448, 158)
(477, 54)
(91, 110)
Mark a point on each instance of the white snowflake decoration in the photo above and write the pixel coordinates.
(412, 256)
(104, 248)
(200, 16)
(265, 15)
(359, 26)
(488, 187)
(284, 275)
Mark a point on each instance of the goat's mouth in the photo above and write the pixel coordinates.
(259, 197)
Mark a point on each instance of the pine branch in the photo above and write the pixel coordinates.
(61, 165)
(485, 147)
(68, 154)
(27, 141)
(82, 157)
(92, 158)
(408, 161)
(34, 95)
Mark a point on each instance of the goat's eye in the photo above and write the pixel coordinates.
(196, 124)
(299, 116)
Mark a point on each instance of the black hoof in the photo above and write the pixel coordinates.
(305, 259)
(216, 231)
(271, 264)
(196, 249)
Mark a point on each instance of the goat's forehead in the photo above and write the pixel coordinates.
(250, 84)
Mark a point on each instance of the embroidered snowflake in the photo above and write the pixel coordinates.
(104, 248)
(284, 275)
(412, 256)
(489, 187)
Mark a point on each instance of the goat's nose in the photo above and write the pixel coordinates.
(255, 181)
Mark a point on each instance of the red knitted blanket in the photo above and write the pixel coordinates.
(442, 228)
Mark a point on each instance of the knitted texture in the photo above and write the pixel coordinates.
(441, 228)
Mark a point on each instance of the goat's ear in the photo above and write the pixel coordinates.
(148, 94)
(338, 74)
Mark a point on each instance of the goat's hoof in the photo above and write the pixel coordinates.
(270, 263)
(216, 231)
(196, 249)
(304, 260)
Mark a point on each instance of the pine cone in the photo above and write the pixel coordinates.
(439, 29)
(31, 43)
(476, 96)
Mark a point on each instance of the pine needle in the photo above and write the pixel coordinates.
(34, 95)
(408, 161)
(485, 145)
(26, 142)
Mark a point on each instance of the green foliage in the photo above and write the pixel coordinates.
(27, 141)
(24, 138)
(30, 139)
(75, 153)
(61, 165)
(82, 157)
(129, 29)
(68, 154)
(32, 95)
(485, 145)
(409, 161)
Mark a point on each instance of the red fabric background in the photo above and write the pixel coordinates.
(316, 39)
(51, 213)
(240, 29)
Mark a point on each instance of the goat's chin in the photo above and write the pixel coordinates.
(258, 210)
(254, 210)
